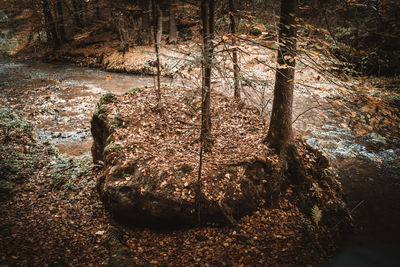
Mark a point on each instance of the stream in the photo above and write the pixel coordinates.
(59, 100)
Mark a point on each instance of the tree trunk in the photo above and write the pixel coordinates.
(60, 21)
(146, 25)
(123, 33)
(207, 18)
(173, 32)
(232, 27)
(81, 11)
(159, 29)
(280, 130)
(50, 25)
(76, 12)
(98, 10)
(156, 26)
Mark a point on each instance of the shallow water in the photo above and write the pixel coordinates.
(60, 98)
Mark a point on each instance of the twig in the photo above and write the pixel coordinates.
(256, 43)
(307, 110)
(359, 204)
(351, 212)
(198, 189)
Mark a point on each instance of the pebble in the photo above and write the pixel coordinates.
(56, 135)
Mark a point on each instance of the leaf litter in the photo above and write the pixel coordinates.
(49, 208)
(238, 134)
(168, 140)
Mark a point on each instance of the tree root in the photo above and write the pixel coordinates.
(224, 211)
(290, 171)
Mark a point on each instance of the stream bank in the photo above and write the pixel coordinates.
(49, 210)
(60, 100)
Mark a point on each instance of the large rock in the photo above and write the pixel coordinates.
(151, 163)
(150, 177)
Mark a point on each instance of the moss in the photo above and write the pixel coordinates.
(110, 139)
(107, 97)
(121, 258)
(117, 122)
(133, 91)
(11, 123)
(395, 101)
(255, 31)
(111, 148)
(20, 155)
(99, 110)
(64, 172)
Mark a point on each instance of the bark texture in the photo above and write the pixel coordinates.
(146, 21)
(280, 130)
(51, 30)
(60, 21)
(157, 23)
(232, 26)
(207, 18)
(76, 13)
(173, 32)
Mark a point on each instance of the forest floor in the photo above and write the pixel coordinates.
(52, 213)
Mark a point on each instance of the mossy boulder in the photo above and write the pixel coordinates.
(151, 160)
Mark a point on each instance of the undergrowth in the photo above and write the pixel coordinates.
(20, 155)
(63, 172)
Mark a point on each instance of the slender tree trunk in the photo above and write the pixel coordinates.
(146, 25)
(48, 31)
(98, 10)
(50, 25)
(173, 32)
(159, 28)
(81, 11)
(232, 27)
(76, 12)
(280, 130)
(156, 26)
(207, 18)
(60, 21)
(123, 33)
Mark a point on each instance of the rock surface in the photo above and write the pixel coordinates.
(151, 160)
